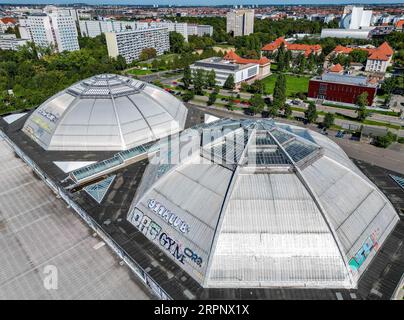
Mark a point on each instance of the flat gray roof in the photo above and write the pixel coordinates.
(345, 79)
(219, 63)
(37, 230)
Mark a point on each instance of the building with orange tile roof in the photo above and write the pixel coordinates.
(337, 68)
(378, 58)
(264, 63)
(296, 49)
(7, 22)
(399, 25)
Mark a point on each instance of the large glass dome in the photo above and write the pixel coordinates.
(105, 112)
(263, 204)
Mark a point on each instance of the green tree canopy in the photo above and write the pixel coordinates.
(148, 53)
(279, 92)
(229, 83)
(311, 113)
(287, 111)
(187, 77)
(177, 42)
(257, 103)
(211, 78)
(328, 120)
(358, 55)
(198, 79)
(362, 102)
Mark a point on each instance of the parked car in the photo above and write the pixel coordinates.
(267, 100)
(265, 114)
(340, 134)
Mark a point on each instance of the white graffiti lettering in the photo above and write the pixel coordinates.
(170, 217)
(153, 231)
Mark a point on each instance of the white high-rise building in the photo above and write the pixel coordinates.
(55, 29)
(41, 30)
(24, 29)
(355, 18)
(129, 44)
(200, 30)
(93, 28)
(240, 22)
(181, 28)
(65, 32)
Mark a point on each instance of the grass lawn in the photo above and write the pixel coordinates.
(386, 113)
(294, 84)
(139, 72)
(167, 57)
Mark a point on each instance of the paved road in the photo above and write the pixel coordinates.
(201, 101)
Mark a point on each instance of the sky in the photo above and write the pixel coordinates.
(204, 2)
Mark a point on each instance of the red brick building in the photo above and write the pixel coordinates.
(341, 88)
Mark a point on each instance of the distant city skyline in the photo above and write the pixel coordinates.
(207, 2)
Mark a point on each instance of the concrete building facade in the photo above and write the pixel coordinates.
(240, 22)
(129, 44)
(224, 68)
(55, 30)
(355, 18)
(11, 42)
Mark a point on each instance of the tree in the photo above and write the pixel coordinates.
(229, 83)
(244, 87)
(198, 80)
(148, 53)
(389, 85)
(358, 55)
(187, 96)
(287, 59)
(211, 78)
(362, 102)
(231, 104)
(187, 77)
(302, 64)
(273, 110)
(311, 112)
(384, 141)
(212, 98)
(328, 120)
(120, 63)
(280, 58)
(287, 112)
(177, 42)
(312, 62)
(256, 87)
(280, 92)
(257, 103)
(155, 64)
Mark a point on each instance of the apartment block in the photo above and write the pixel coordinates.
(240, 22)
(55, 30)
(129, 44)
